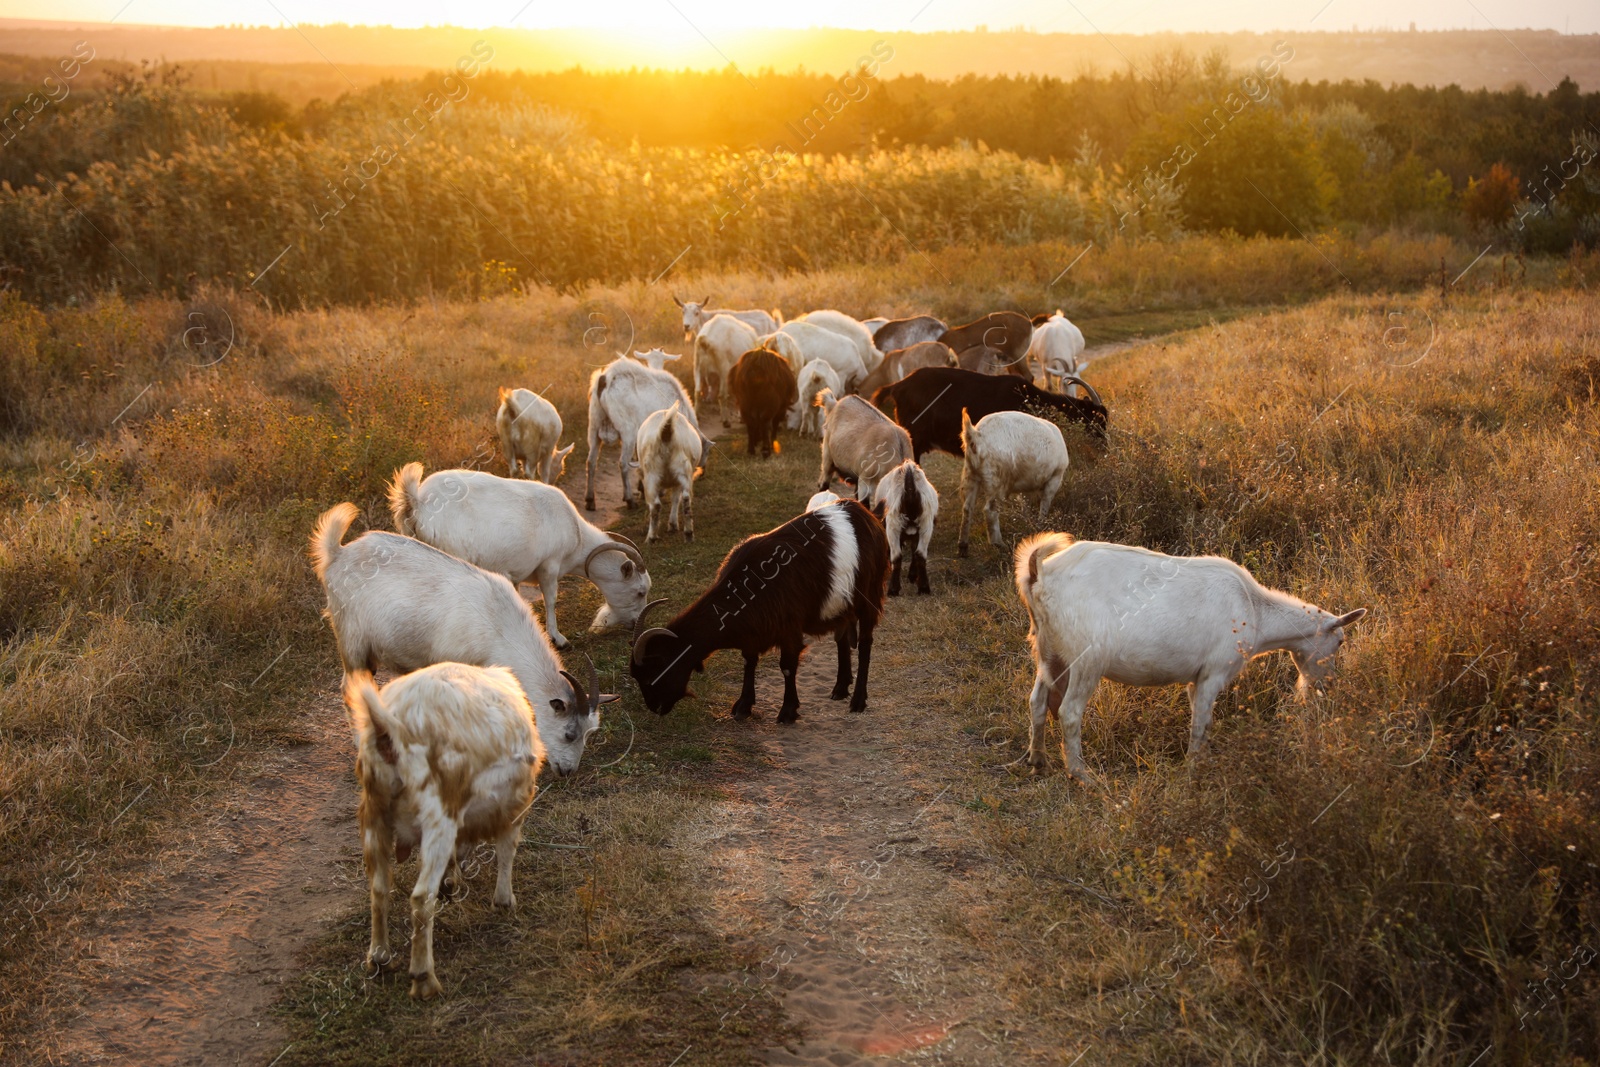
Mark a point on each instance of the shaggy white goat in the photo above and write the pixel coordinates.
(1056, 345)
(395, 601)
(717, 347)
(1137, 617)
(860, 443)
(1008, 452)
(668, 449)
(845, 326)
(448, 757)
(910, 506)
(530, 429)
(696, 315)
(525, 531)
(814, 377)
(621, 395)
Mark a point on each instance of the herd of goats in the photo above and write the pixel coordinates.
(449, 752)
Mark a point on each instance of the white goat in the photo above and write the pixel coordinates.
(696, 315)
(801, 342)
(1056, 345)
(910, 506)
(448, 757)
(525, 531)
(395, 601)
(655, 359)
(845, 326)
(668, 449)
(1137, 617)
(621, 395)
(1008, 452)
(530, 429)
(814, 377)
(717, 347)
(860, 443)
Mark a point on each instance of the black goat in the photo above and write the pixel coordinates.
(763, 387)
(928, 403)
(821, 573)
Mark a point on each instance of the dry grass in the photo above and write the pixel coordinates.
(151, 556)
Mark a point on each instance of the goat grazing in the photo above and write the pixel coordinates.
(696, 316)
(1008, 452)
(860, 444)
(763, 387)
(668, 448)
(524, 530)
(621, 395)
(929, 402)
(814, 378)
(1056, 344)
(910, 506)
(903, 333)
(820, 573)
(1141, 618)
(845, 326)
(1007, 331)
(903, 361)
(717, 347)
(981, 359)
(447, 757)
(530, 429)
(395, 601)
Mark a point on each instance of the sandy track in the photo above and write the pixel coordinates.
(845, 854)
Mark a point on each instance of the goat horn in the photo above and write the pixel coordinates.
(644, 639)
(642, 614)
(1093, 395)
(627, 549)
(580, 699)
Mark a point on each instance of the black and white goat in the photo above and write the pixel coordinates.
(820, 573)
(910, 505)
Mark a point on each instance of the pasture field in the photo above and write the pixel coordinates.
(1400, 870)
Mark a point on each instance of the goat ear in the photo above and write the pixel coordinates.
(1346, 619)
(627, 568)
(559, 705)
(606, 698)
(672, 355)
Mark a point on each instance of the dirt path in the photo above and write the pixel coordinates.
(187, 970)
(846, 853)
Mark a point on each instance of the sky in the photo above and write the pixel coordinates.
(707, 16)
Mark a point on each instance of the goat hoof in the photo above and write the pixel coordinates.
(894, 590)
(741, 712)
(377, 960)
(923, 590)
(562, 644)
(788, 715)
(961, 550)
(510, 902)
(689, 536)
(840, 692)
(588, 503)
(425, 987)
(858, 706)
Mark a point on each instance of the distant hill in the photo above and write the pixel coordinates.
(286, 59)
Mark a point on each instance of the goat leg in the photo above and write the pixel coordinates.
(747, 696)
(919, 573)
(841, 685)
(859, 701)
(789, 661)
(894, 576)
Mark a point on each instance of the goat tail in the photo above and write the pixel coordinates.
(375, 727)
(403, 490)
(505, 402)
(1030, 554)
(966, 432)
(328, 535)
